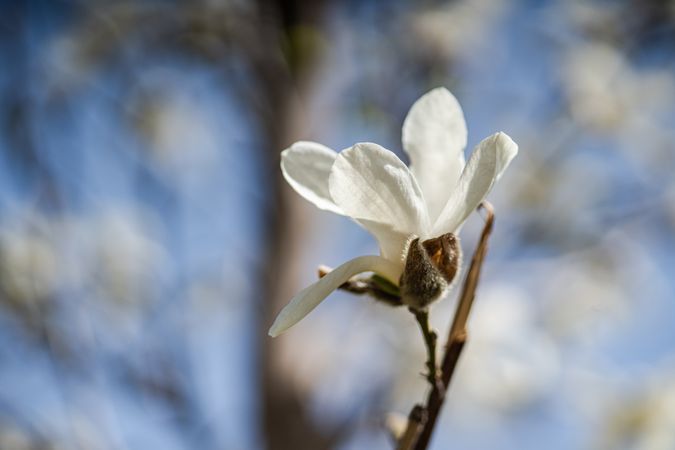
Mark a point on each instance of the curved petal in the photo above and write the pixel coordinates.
(434, 136)
(306, 167)
(370, 183)
(486, 165)
(393, 244)
(310, 297)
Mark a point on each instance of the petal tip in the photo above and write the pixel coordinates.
(306, 166)
(440, 96)
(438, 90)
(278, 327)
(273, 332)
(299, 146)
(508, 144)
(505, 137)
(505, 144)
(286, 154)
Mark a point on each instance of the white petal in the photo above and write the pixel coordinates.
(434, 136)
(393, 244)
(369, 182)
(306, 166)
(486, 165)
(310, 297)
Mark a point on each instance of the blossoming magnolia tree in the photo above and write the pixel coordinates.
(414, 212)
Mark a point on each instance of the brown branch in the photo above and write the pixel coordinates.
(457, 335)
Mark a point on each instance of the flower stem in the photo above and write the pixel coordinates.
(430, 339)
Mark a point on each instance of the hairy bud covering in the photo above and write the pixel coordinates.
(430, 268)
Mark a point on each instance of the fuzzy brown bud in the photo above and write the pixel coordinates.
(430, 268)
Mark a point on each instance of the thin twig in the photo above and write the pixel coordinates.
(430, 339)
(457, 335)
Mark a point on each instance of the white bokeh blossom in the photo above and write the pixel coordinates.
(371, 185)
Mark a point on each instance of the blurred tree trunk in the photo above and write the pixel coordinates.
(283, 78)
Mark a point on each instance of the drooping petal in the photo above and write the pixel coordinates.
(310, 297)
(434, 136)
(306, 166)
(486, 165)
(370, 183)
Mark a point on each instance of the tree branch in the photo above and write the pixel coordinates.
(457, 335)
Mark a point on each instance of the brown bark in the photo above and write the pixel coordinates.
(286, 421)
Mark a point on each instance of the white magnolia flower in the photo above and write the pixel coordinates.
(395, 203)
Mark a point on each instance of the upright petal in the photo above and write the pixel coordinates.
(310, 297)
(370, 183)
(434, 136)
(306, 166)
(486, 165)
